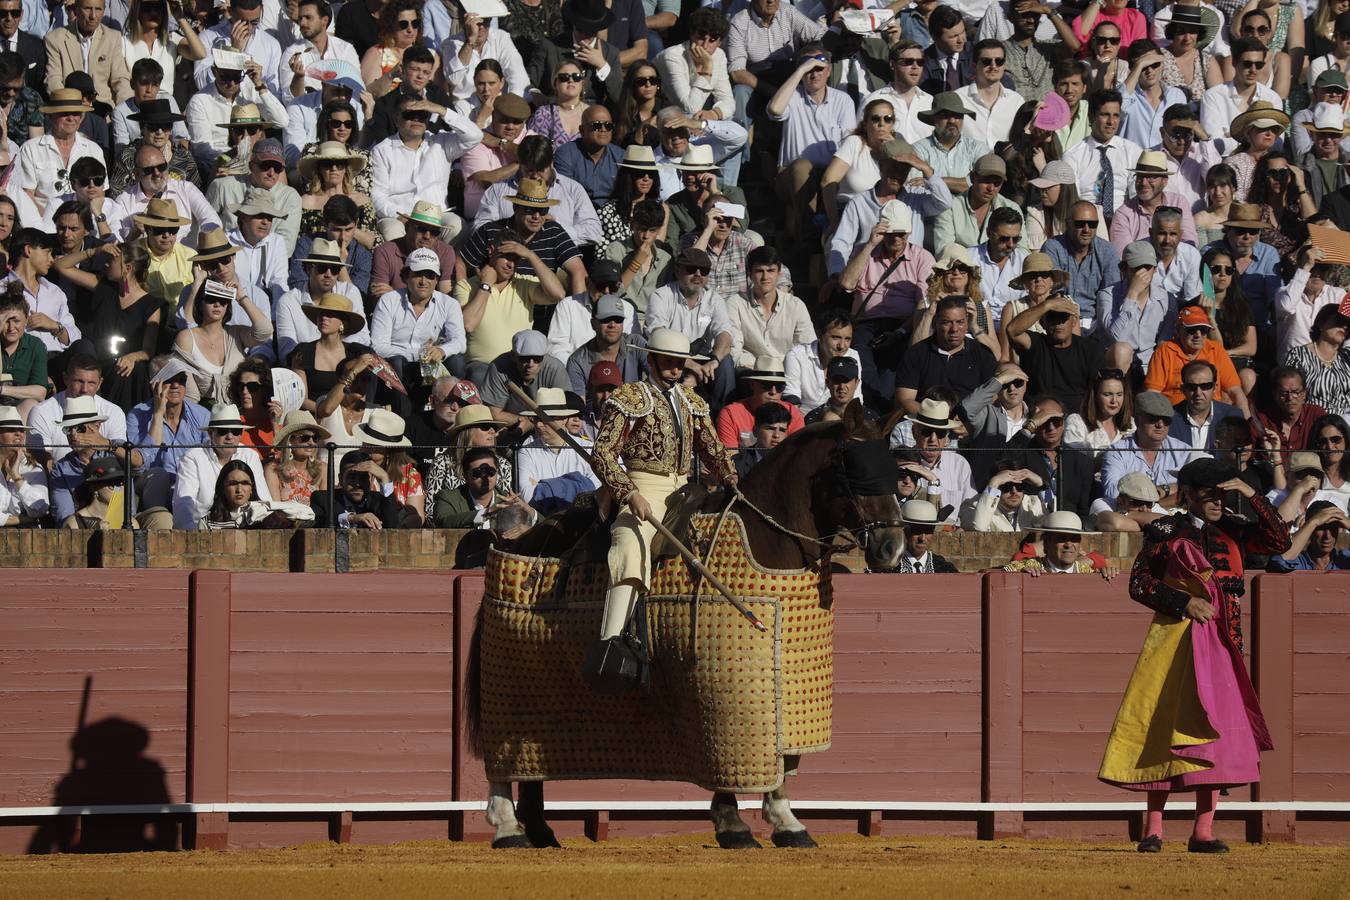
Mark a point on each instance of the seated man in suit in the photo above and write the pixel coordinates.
(28, 47)
(1198, 412)
(88, 45)
(358, 502)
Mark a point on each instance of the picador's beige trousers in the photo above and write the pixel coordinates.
(630, 546)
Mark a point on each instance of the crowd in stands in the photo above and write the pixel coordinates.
(277, 264)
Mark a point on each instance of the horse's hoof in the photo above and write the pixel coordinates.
(514, 842)
(796, 839)
(737, 840)
(540, 835)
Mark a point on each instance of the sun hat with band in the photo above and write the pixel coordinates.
(946, 103)
(245, 115)
(698, 158)
(10, 420)
(1328, 118)
(1207, 20)
(331, 151)
(473, 417)
(1261, 114)
(324, 252)
(161, 212)
(554, 404)
(225, 417)
(155, 112)
(424, 212)
(1244, 215)
(1061, 521)
(104, 468)
(214, 245)
(338, 307)
(1152, 162)
(934, 414)
(669, 342)
(919, 512)
(640, 157)
(65, 100)
(258, 202)
(80, 411)
(768, 369)
(295, 422)
(382, 428)
(532, 194)
(954, 255)
(898, 217)
(1038, 263)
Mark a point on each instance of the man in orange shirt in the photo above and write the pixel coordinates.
(1192, 341)
(736, 422)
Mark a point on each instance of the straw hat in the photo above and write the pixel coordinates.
(300, 420)
(214, 245)
(1328, 118)
(553, 401)
(10, 419)
(768, 369)
(245, 115)
(471, 417)
(161, 212)
(953, 255)
(669, 342)
(698, 158)
(1261, 114)
(382, 428)
(424, 212)
(935, 414)
(325, 252)
(1152, 162)
(338, 307)
(65, 100)
(1244, 215)
(226, 417)
(919, 512)
(80, 411)
(1062, 522)
(331, 150)
(533, 194)
(1038, 263)
(639, 156)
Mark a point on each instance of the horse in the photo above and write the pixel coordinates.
(794, 503)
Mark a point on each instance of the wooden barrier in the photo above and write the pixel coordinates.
(276, 708)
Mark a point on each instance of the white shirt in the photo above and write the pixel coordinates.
(265, 265)
(689, 90)
(262, 48)
(194, 490)
(395, 331)
(126, 129)
(401, 175)
(207, 112)
(571, 325)
(1295, 311)
(806, 376)
(1086, 159)
(956, 488)
(51, 301)
(998, 293)
(536, 462)
(498, 46)
(1188, 176)
(1219, 107)
(907, 124)
(990, 124)
(337, 49)
(41, 168)
(27, 499)
(701, 323)
(45, 420)
(293, 327)
(186, 196)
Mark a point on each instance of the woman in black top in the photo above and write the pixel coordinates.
(317, 362)
(122, 321)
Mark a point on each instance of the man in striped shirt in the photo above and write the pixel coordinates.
(545, 238)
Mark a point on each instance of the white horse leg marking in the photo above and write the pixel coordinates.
(778, 811)
(501, 812)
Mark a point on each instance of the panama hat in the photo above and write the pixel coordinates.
(639, 156)
(953, 255)
(325, 252)
(935, 414)
(80, 411)
(245, 115)
(1204, 18)
(1038, 263)
(338, 307)
(225, 417)
(382, 428)
(472, 417)
(1261, 114)
(1056, 171)
(65, 100)
(155, 112)
(948, 102)
(1298, 462)
(669, 342)
(1062, 521)
(1328, 118)
(214, 245)
(331, 150)
(300, 420)
(532, 194)
(698, 158)
(768, 369)
(1152, 162)
(1244, 215)
(424, 212)
(553, 402)
(161, 212)
(919, 512)
(257, 202)
(10, 419)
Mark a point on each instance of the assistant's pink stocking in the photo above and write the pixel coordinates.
(1206, 799)
(1153, 824)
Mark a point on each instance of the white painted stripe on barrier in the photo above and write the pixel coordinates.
(655, 806)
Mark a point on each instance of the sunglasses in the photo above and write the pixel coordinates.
(1016, 383)
(229, 77)
(409, 24)
(1334, 440)
(991, 61)
(492, 426)
(1085, 223)
(1181, 134)
(214, 301)
(483, 472)
(1251, 63)
(11, 13)
(910, 61)
(160, 231)
(215, 265)
(332, 164)
(340, 123)
(569, 77)
(1197, 386)
(881, 120)
(1053, 422)
(1264, 29)
(647, 81)
(253, 387)
(1109, 41)
(275, 168)
(602, 126)
(94, 181)
(326, 268)
(304, 438)
(1247, 231)
(155, 170)
(1008, 239)
(416, 115)
(1217, 269)
(428, 229)
(697, 270)
(1011, 487)
(1198, 329)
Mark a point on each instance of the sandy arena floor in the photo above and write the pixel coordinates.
(692, 867)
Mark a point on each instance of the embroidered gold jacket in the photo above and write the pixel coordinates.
(637, 431)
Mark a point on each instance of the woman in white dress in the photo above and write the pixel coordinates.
(854, 168)
(147, 34)
(1106, 417)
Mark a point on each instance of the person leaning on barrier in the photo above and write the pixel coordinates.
(199, 468)
(475, 502)
(1135, 507)
(921, 521)
(1062, 547)
(358, 501)
(23, 479)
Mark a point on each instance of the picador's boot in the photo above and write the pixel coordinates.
(611, 666)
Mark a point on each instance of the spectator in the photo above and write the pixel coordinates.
(642, 99)
(262, 257)
(603, 380)
(266, 167)
(1062, 540)
(1192, 37)
(572, 326)
(88, 45)
(472, 503)
(1071, 79)
(1191, 153)
(295, 326)
(148, 79)
(243, 31)
(906, 98)
(945, 359)
(997, 408)
(948, 148)
(1331, 437)
(815, 118)
(728, 248)
(235, 503)
(609, 325)
(1192, 342)
(171, 262)
(421, 231)
(694, 74)
(1299, 301)
(921, 521)
(229, 102)
(550, 473)
(29, 48)
(383, 438)
(1151, 450)
(82, 431)
(687, 305)
(1065, 472)
(430, 429)
(476, 425)
(41, 169)
(592, 160)
(697, 172)
(1224, 104)
(1005, 505)
(483, 40)
(1000, 259)
(1104, 159)
(494, 159)
(329, 170)
(529, 367)
(339, 226)
(329, 114)
(200, 467)
(1147, 97)
(989, 94)
(1308, 482)
(1288, 421)
(419, 324)
(360, 501)
(413, 165)
(1257, 262)
(770, 427)
(1058, 362)
(636, 183)
(1041, 282)
(736, 420)
(416, 72)
(1324, 115)
(762, 47)
(23, 478)
(955, 272)
(1092, 264)
(843, 381)
(166, 427)
(1324, 361)
(1135, 508)
(122, 320)
(1313, 546)
(1134, 220)
(932, 427)
(537, 228)
(187, 204)
(317, 46)
(854, 168)
(965, 222)
(49, 318)
(767, 319)
(642, 260)
(91, 497)
(1198, 414)
(596, 59)
(1106, 416)
(1050, 206)
(806, 365)
(949, 60)
(1174, 282)
(157, 123)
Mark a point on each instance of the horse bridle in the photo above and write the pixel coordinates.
(866, 526)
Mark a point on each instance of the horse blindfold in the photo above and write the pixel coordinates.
(869, 468)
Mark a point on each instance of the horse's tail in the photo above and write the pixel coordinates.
(473, 689)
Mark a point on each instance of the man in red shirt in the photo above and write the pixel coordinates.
(736, 422)
(1290, 417)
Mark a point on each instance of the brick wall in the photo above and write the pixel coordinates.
(312, 550)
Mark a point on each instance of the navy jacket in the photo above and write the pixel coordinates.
(1181, 429)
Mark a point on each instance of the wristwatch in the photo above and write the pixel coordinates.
(100, 219)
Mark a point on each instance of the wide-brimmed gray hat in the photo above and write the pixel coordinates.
(948, 102)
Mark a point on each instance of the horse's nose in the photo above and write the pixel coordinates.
(887, 552)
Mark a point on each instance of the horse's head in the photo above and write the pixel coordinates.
(864, 502)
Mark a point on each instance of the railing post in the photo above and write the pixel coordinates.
(128, 487)
(1273, 675)
(208, 759)
(1001, 755)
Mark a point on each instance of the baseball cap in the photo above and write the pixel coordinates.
(693, 256)
(604, 271)
(604, 374)
(990, 164)
(268, 150)
(1138, 486)
(423, 259)
(529, 343)
(1191, 316)
(1139, 253)
(609, 307)
(1329, 78)
(841, 368)
(897, 216)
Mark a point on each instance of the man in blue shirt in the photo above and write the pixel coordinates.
(1258, 263)
(1313, 547)
(169, 426)
(339, 221)
(592, 160)
(1150, 450)
(1092, 263)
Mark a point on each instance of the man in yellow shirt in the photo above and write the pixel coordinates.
(497, 303)
(170, 261)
